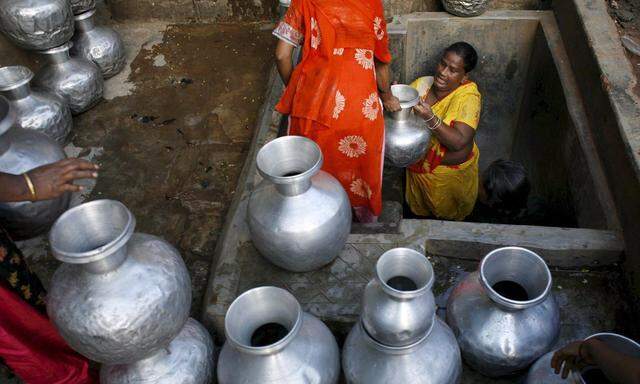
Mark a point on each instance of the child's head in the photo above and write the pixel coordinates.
(505, 186)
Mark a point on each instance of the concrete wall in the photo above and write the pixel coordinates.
(607, 82)
(226, 10)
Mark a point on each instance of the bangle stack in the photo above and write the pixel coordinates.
(436, 125)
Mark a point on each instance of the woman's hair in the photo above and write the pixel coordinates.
(466, 52)
(506, 185)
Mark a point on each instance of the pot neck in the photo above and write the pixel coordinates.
(7, 120)
(18, 93)
(59, 56)
(407, 264)
(395, 350)
(402, 115)
(87, 24)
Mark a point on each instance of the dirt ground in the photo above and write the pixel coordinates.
(626, 15)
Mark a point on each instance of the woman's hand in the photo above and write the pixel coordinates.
(390, 102)
(572, 358)
(423, 109)
(52, 180)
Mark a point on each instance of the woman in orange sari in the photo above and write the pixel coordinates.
(333, 96)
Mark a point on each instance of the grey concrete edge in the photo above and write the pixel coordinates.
(618, 79)
(224, 292)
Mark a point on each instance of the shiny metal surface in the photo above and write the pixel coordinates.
(498, 335)
(394, 317)
(41, 111)
(307, 354)
(22, 150)
(406, 135)
(101, 45)
(188, 359)
(36, 24)
(465, 8)
(81, 6)
(120, 296)
(434, 359)
(78, 81)
(299, 222)
(542, 373)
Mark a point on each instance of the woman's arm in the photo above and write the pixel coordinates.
(383, 78)
(456, 138)
(49, 181)
(284, 60)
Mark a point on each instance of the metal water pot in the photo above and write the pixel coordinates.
(188, 359)
(81, 6)
(120, 296)
(36, 24)
(41, 111)
(504, 315)
(434, 359)
(271, 340)
(465, 8)
(22, 150)
(542, 373)
(101, 45)
(398, 305)
(406, 134)
(299, 216)
(78, 81)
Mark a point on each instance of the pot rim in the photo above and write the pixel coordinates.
(61, 48)
(271, 348)
(410, 103)
(510, 303)
(396, 350)
(19, 83)
(98, 253)
(85, 15)
(396, 292)
(292, 139)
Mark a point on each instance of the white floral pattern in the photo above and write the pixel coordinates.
(371, 107)
(377, 28)
(353, 146)
(338, 51)
(360, 188)
(340, 103)
(315, 34)
(364, 57)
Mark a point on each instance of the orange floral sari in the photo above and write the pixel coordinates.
(332, 97)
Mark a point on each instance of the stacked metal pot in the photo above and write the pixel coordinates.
(399, 338)
(465, 8)
(122, 299)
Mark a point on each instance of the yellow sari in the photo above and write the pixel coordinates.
(446, 191)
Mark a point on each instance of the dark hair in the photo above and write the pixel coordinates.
(466, 52)
(506, 185)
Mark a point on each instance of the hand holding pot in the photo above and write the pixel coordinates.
(423, 109)
(390, 102)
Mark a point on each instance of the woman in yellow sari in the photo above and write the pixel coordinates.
(445, 183)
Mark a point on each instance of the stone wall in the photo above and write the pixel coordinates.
(229, 10)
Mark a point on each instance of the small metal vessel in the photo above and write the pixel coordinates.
(465, 8)
(22, 150)
(406, 135)
(299, 216)
(188, 359)
(101, 45)
(398, 305)
(36, 24)
(504, 315)
(78, 81)
(542, 373)
(270, 340)
(119, 296)
(41, 111)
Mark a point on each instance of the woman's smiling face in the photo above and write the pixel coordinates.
(450, 72)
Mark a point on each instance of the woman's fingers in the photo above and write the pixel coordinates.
(568, 366)
(74, 175)
(70, 188)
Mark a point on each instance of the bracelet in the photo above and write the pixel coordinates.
(432, 117)
(436, 126)
(32, 189)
